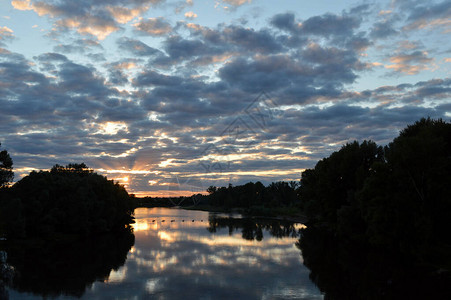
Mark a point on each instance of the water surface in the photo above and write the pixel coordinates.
(191, 255)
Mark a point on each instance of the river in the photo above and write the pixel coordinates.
(175, 254)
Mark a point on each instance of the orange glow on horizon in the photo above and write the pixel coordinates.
(166, 193)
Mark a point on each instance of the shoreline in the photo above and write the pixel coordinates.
(279, 215)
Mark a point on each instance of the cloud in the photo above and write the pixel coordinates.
(410, 63)
(261, 41)
(329, 24)
(21, 4)
(137, 47)
(79, 46)
(6, 35)
(153, 26)
(237, 2)
(430, 16)
(154, 78)
(190, 15)
(285, 21)
(180, 48)
(157, 106)
(180, 6)
(383, 30)
(90, 17)
(123, 15)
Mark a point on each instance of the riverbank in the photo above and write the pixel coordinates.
(282, 213)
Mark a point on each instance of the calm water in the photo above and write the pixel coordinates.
(174, 257)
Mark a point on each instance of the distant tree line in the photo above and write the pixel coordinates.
(252, 198)
(67, 200)
(161, 201)
(395, 198)
(255, 197)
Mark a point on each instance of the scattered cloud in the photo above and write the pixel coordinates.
(430, 15)
(153, 26)
(21, 4)
(6, 35)
(190, 15)
(237, 2)
(164, 98)
(88, 16)
(410, 63)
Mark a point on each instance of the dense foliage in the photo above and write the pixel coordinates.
(329, 190)
(6, 168)
(395, 199)
(255, 196)
(65, 200)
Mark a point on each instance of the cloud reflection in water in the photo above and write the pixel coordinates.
(209, 259)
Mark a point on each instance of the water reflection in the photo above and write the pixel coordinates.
(252, 228)
(344, 270)
(193, 254)
(61, 268)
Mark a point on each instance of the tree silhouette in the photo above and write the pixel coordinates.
(6, 168)
(70, 200)
(370, 201)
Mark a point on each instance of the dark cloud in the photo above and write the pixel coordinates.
(158, 110)
(261, 41)
(409, 62)
(137, 47)
(435, 89)
(153, 78)
(180, 48)
(428, 15)
(153, 26)
(383, 30)
(315, 67)
(330, 25)
(97, 18)
(285, 21)
(117, 77)
(79, 46)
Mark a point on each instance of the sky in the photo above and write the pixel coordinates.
(170, 97)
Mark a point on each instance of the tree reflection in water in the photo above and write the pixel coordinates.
(252, 228)
(345, 270)
(67, 268)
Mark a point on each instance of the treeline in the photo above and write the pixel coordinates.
(256, 198)
(162, 201)
(395, 198)
(67, 200)
(250, 198)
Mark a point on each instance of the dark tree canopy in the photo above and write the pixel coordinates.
(6, 168)
(407, 200)
(255, 197)
(66, 200)
(330, 187)
(396, 199)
